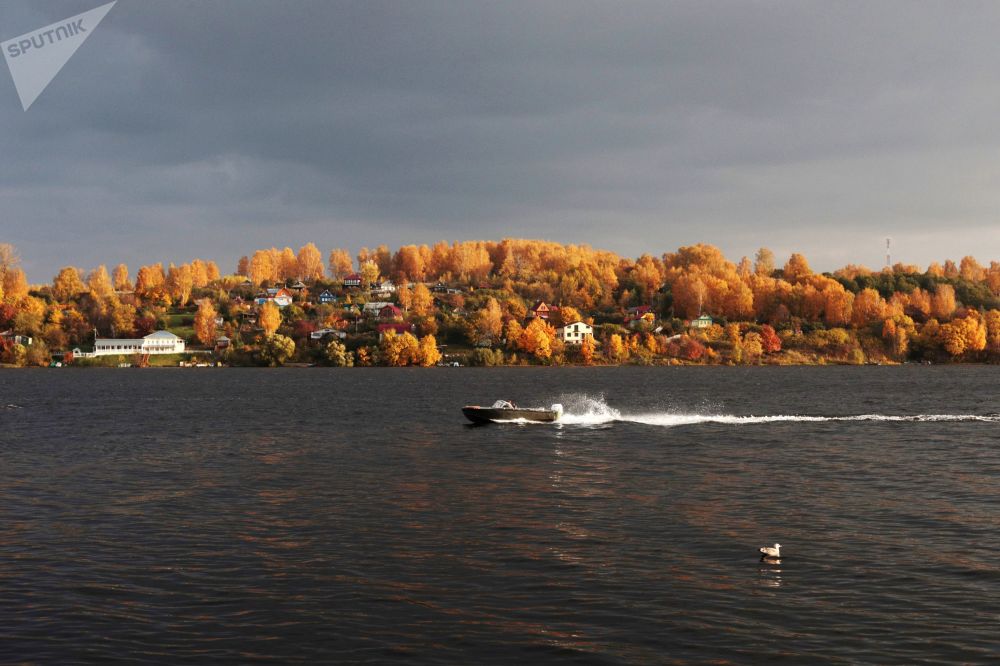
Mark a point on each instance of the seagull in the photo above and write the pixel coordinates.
(771, 551)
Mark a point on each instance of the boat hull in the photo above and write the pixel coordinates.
(493, 415)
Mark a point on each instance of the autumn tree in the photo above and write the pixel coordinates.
(180, 282)
(288, 265)
(797, 269)
(243, 266)
(421, 301)
(487, 324)
(869, 307)
(769, 340)
(277, 349)
(310, 262)
(204, 322)
(67, 284)
(99, 284)
(409, 264)
(753, 347)
(120, 278)
(616, 350)
(970, 269)
(428, 354)
(537, 339)
(943, 302)
(149, 281)
(587, 349)
(269, 318)
(397, 350)
(262, 267)
(568, 315)
(764, 262)
(992, 322)
(340, 264)
(122, 317)
(199, 274)
(15, 286)
(964, 334)
(732, 334)
(369, 273)
(337, 354)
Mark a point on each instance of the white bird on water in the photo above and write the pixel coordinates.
(771, 551)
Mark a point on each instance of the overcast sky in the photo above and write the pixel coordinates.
(212, 128)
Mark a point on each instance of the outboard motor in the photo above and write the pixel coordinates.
(558, 409)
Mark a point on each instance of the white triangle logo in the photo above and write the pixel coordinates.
(35, 57)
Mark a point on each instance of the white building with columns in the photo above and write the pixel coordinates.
(160, 342)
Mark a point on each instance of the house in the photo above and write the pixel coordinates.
(159, 342)
(442, 288)
(374, 307)
(390, 312)
(543, 310)
(278, 295)
(9, 337)
(638, 312)
(327, 297)
(575, 333)
(383, 287)
(298, 286)
(703, 321)
(399, 329)
(222, 342)
(352, 280)
(642, 314)
(323, 332)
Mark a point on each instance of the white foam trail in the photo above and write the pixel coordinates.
(584, 410)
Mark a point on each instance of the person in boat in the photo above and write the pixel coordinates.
(504, 404)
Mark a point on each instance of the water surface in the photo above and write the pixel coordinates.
(326, 515)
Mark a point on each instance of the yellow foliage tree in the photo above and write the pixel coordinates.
(340, 264)
(99, 284)
(262, 267)
(616, 352)
(180, 282)
(587, 349)
(428, 354)
(869, 307)
(397, 350)
(992, 320)
(943, 302)
(67, 284)
(369, 273)
(487, 325)
(753, 347)
(310, 262)
(537, 339)
(270, 318)
(204, 322)
(120, 278)
(422, 301)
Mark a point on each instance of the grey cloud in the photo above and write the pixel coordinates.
(818, 127)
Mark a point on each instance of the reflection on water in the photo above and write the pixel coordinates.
(769, 572)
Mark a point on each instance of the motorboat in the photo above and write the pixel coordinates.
(504, 410)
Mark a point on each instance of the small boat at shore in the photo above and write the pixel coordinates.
(504, 410)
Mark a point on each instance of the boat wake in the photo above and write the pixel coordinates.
(588, 411)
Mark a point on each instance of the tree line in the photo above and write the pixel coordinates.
(476, 297)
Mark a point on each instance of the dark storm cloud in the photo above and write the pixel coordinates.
(186, 129)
